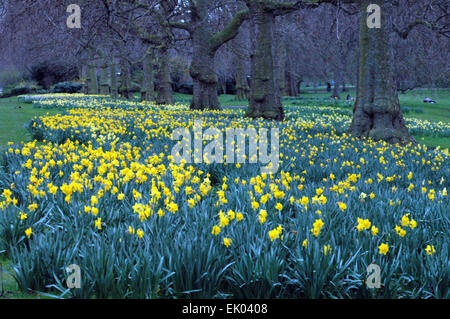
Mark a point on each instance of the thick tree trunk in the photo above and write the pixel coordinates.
(205, 44)
(280, 62)
(205, 96)
(124, 79)
(242, 87)
(165, 95)
(291, 85)
(147, 88)
(291, 81)
(202, 65)
(205, 80)
(104, 79)
(377, 112)
(298, 85)
(337, 85)
(85, 79)
(92, 79)
(223, 84)
(92, 71)
(80, 68)
(92, 76)
(265, 100)
(113, 76)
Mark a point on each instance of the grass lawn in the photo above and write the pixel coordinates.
(12, 120)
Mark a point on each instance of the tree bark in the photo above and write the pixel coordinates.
(92, 76)
(104, 79)
(85, 79)
(242, 87)
(265, 100)
(298, 85)
(204, 79)
(202, 65)
(280, 59)
(337, 84)
(125, 79)
(165, 95)
(147, 88)
(205, 45)
(292, 86)
(113, 76)
(377, 112)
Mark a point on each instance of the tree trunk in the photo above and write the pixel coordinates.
(298, 85)
(337, 84)
(292, 85)
(280, 60)
(147, 88)
(242, 87)
(113, 75)
(265, 100)
(92, 79)
(85, 79)
(377, 112)
(124, 79)
(224, 85)
(202, 65)
(80, 68)
(205, 81)
(205, 86)
(92, 76)
(205, 44)
(291, 81)
(165, 95)
(104, 79)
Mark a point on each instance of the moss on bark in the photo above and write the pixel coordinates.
(113, 76)
(165, 95)
(104, 79)
(147, 87)
(265, 100)
(205, 45)
(377, 112)
(124, 79)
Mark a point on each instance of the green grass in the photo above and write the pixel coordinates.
(432, 112)
(432, 141)
(12, 120)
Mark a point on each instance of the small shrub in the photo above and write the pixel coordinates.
(67, 87)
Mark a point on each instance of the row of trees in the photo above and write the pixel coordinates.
(269, 46)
